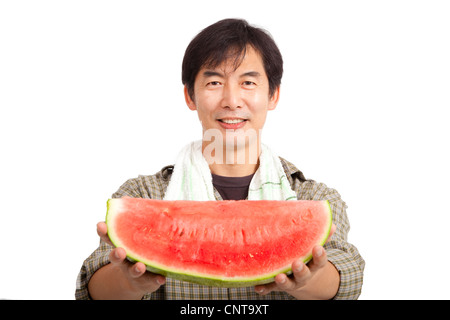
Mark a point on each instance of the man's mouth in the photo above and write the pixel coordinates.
(232, 121)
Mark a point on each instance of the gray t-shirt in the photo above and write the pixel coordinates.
(232, 188)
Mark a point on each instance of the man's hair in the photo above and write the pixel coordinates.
(227, 40)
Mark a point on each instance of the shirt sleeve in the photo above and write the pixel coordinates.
(100, 257)
(342, 254)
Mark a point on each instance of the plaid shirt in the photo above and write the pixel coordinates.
(343, 255)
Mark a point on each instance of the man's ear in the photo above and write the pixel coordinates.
(190, 103)
(273, 100)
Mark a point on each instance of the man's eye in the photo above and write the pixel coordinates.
(248, 83)
(214, 83)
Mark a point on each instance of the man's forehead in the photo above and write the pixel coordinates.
(250, 64)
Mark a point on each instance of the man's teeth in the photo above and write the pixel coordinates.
(232, 121)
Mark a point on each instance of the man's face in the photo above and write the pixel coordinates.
(228, 99)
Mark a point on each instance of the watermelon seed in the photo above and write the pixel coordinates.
(243, 236)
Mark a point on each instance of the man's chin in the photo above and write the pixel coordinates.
(231, 146)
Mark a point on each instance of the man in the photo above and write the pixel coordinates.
(231, 74)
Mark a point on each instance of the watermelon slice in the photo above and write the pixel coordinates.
(218, 243)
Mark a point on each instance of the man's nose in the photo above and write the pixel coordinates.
(232, 96)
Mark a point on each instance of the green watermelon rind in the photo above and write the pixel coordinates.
(213, 281)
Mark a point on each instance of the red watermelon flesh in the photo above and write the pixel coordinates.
(218, 243)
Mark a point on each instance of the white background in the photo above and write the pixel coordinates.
(91, 95)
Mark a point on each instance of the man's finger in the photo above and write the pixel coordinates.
(300, 271)
(285, 283)
(102, 231)
(319, 259)
(264, 289)
(136, 270)
(117, 256)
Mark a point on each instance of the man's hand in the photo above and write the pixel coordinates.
(318, 279)
(122, 279)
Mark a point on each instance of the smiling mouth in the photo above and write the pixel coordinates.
(232, 121)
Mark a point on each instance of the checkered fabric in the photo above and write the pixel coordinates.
(343, 255)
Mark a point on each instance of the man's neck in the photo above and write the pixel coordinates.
(233, 170)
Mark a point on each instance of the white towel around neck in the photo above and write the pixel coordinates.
(192, 180)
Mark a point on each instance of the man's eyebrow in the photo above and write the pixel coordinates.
(210, 73)
(254, 74)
